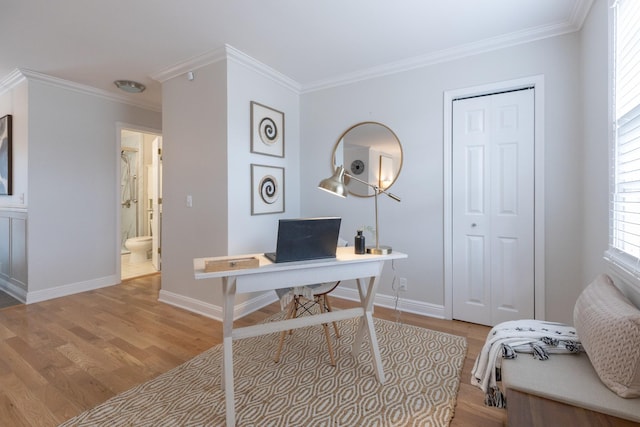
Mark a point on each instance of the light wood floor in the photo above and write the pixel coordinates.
(61, 357)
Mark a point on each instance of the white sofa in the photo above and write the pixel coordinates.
(584, 389)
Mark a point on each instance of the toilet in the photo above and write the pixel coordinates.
(139, 247)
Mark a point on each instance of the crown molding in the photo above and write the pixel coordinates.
(190, 64)
(10, 81)
(19, 75)
(229, 53)
(579, 14)
(574, 23)
(263, 69)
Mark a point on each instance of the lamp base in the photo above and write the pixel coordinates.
(380, 250)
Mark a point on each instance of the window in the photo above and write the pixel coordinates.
(624, 232)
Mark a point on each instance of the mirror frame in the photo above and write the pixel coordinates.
(334, 164)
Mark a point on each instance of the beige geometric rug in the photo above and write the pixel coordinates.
(422, 369)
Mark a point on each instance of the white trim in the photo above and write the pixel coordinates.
(215, 311)
(12, 289)
(389, 301)
(87, 90)
(70, 289)
(539, 227)
(120, 126)
(579, 13)
(260, 68)
(264, 299)
(575, 22)
(625, 275)
(10, 81)
(228, 53)
(11, 208)
(190, 64)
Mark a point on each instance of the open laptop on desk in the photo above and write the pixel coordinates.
(306, 239)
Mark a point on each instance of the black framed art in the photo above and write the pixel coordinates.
(267, 189)
(267, 130)
(5, 155)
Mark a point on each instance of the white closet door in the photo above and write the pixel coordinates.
(493, 207)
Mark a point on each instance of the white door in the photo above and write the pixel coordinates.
(155, 188)
(493, 207)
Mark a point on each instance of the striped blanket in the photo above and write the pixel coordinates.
(525, 336)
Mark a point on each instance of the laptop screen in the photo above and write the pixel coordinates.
(305, 239)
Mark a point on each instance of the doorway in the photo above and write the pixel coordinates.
(494, 229)
(140, 202)
(493, 207)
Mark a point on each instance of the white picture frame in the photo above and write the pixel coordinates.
(267, 189)
(267, 130)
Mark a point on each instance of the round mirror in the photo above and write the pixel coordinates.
(369, 152)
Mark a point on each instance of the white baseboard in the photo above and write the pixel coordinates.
(13, 290)
(70, 289)
(389, 301)
(215, 312)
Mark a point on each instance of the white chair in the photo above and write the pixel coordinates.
(301, 304)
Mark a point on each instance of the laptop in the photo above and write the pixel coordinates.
(306, 239)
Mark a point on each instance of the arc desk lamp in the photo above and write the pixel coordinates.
(335, 185)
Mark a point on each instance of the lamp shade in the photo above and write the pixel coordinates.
(335, 183)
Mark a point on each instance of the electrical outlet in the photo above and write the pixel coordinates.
(403, 284)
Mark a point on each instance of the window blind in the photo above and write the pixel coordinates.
(627, 94)
(625, 201)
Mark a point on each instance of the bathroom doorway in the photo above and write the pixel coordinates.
(140, 202)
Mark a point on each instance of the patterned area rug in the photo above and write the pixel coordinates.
(422, 369)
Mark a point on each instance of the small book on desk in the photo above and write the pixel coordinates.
(231, 264)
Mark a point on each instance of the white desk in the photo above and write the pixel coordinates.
(269, 276)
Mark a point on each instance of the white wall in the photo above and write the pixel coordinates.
(207, 154)
(194, 162)
(68, 180)
(595, 211)
(257, 233)
(72, 187)
(410, 103)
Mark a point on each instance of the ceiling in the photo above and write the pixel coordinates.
(311, 42)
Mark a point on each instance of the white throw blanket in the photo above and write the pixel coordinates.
(526, 336)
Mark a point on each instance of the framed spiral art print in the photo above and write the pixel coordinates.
(267, 189)
(267, 130)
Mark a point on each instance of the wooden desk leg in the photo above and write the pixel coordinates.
(325, 326)
(229, 293)
(366, 325)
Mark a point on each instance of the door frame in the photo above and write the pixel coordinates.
(536, 82)
(120, 126)
(156, 204)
